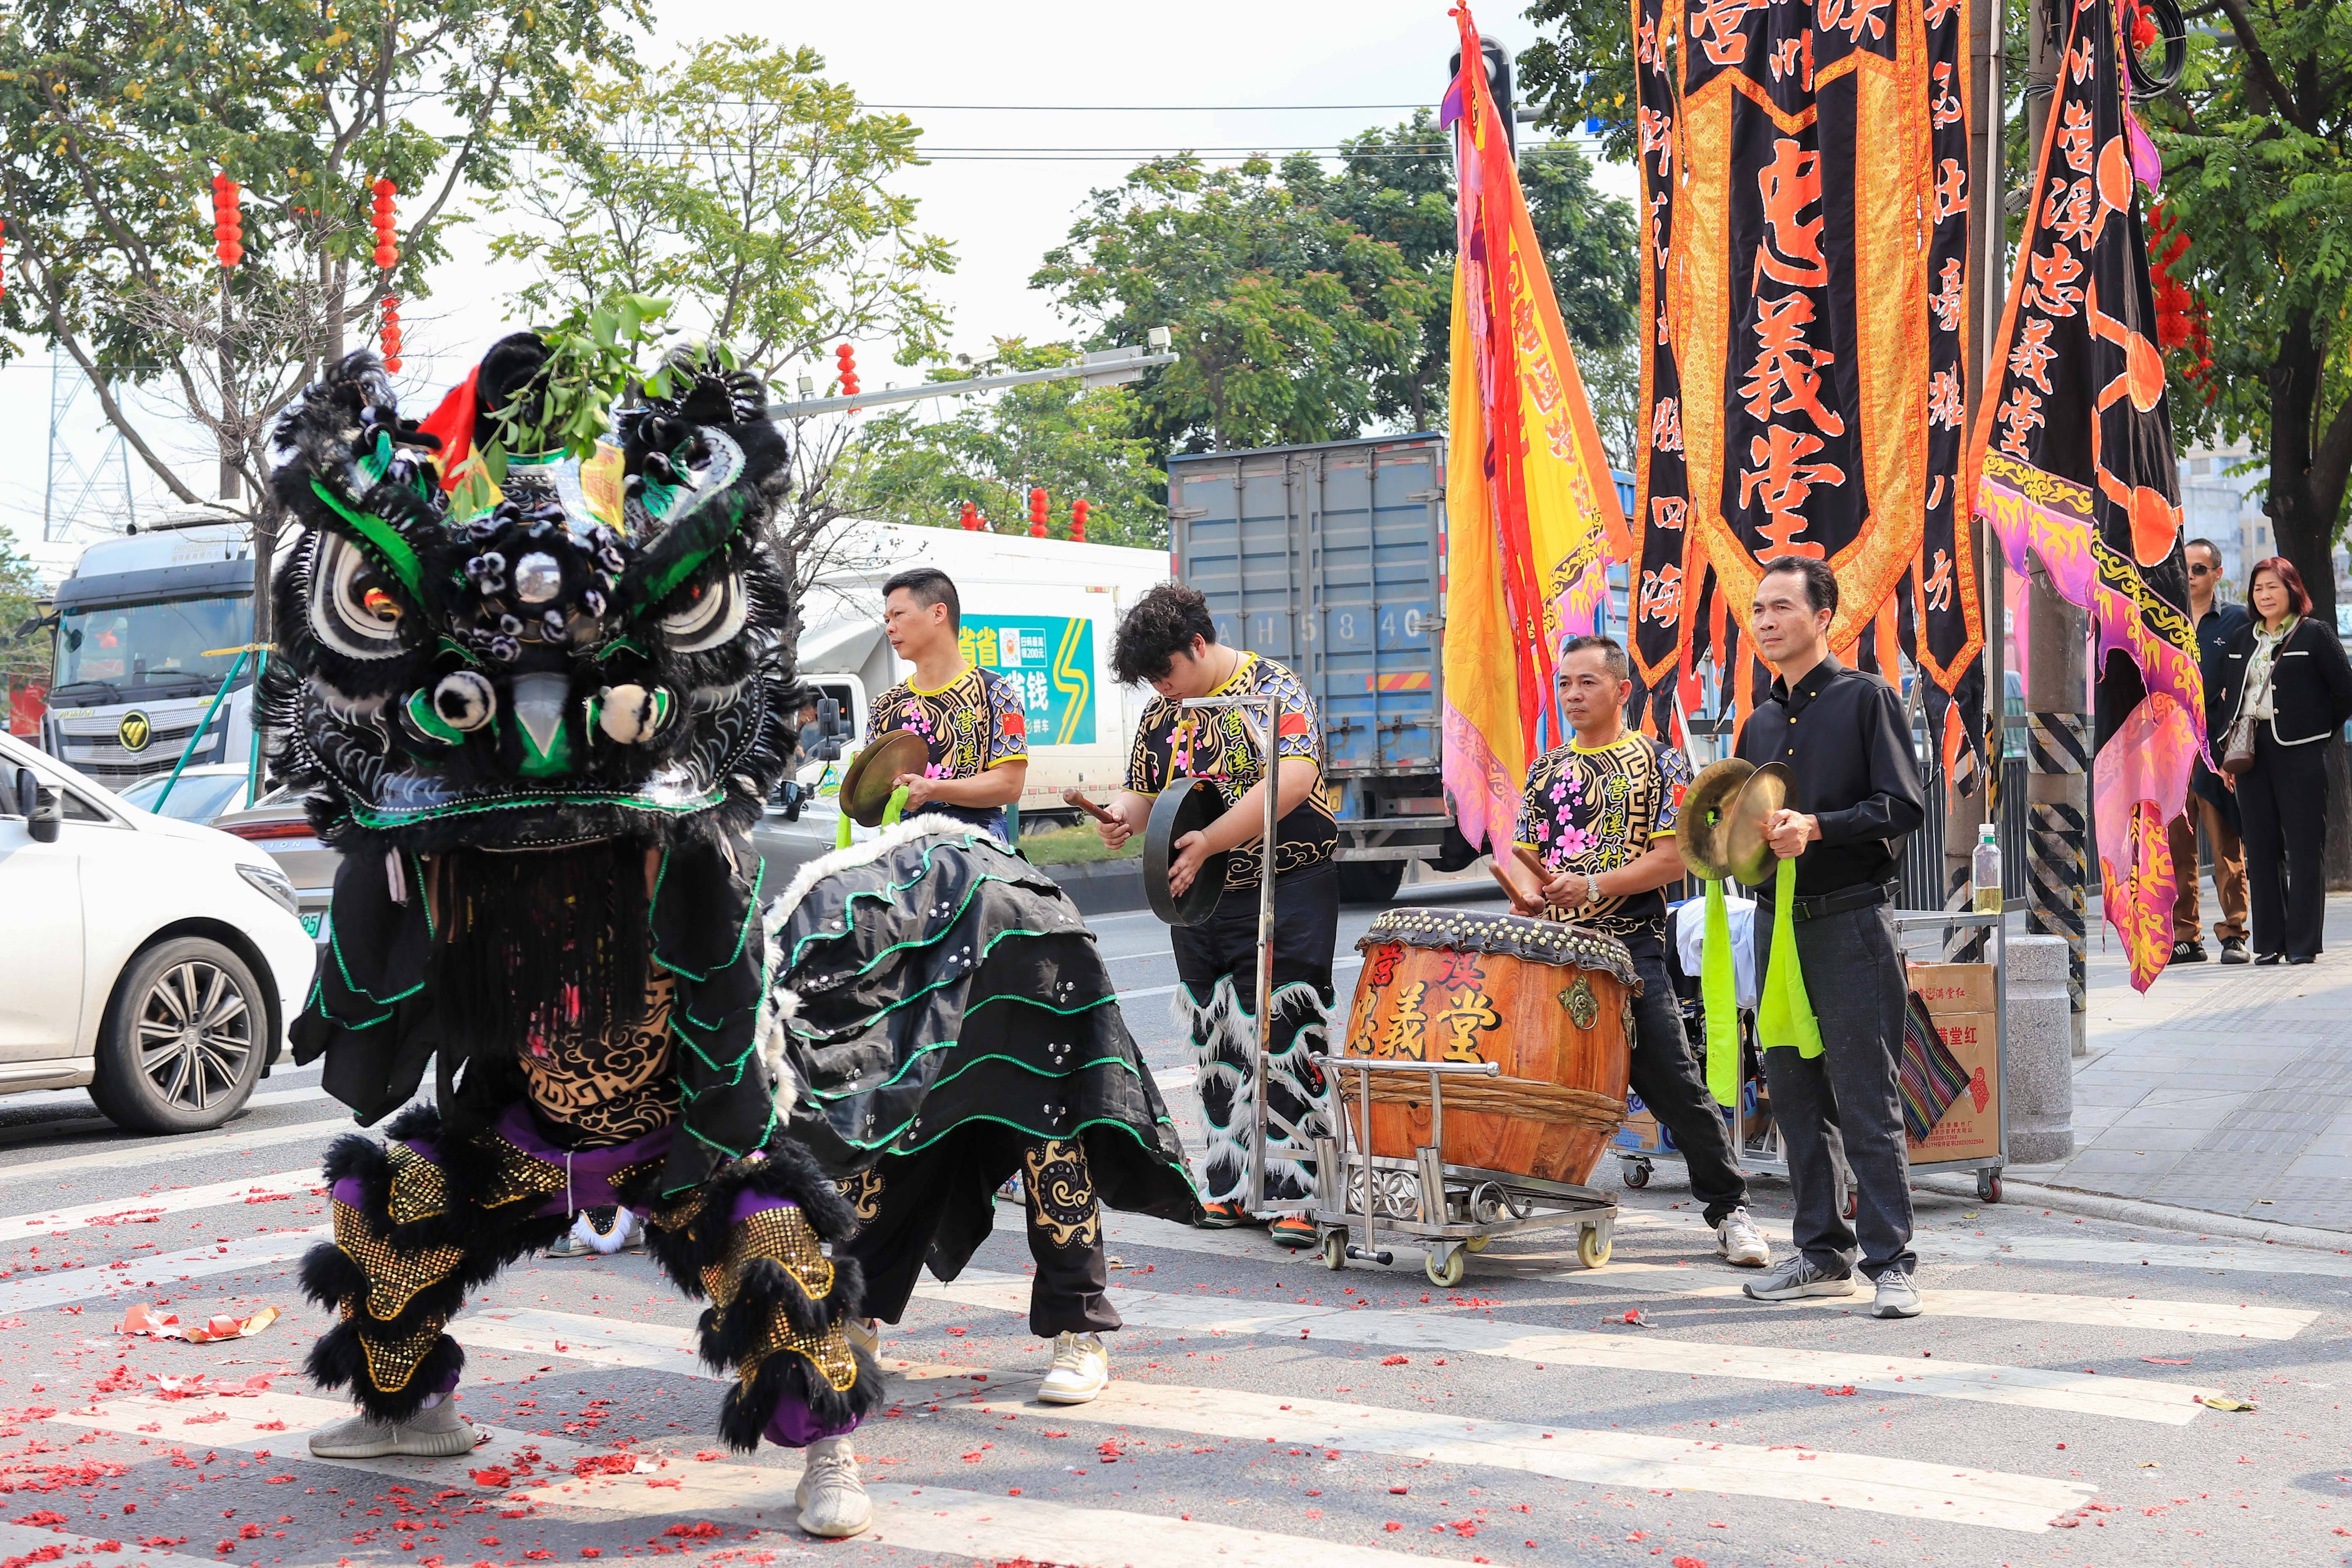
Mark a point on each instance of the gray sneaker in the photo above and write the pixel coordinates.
(439, 1433)
(1796, 1276)
(1738, 1241)
(1896, 1298)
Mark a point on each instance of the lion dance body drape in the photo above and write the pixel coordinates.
(2074, 446)
(1805, 299)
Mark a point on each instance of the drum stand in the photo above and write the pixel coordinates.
(1450, 1210)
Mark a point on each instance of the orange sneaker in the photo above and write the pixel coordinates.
(1294, 1231)
(1226, 1217)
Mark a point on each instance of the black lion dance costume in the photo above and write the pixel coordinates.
(538, 740)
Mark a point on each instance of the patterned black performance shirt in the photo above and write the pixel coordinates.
(1590, 812)
(1172, 741)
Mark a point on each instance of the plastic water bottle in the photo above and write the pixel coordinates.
(1985, 872)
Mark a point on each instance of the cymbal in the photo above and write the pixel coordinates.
(1704, 832)
(866, 786)
(1748, 852)
(1186, 806)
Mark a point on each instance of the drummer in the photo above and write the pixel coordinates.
(972, 718)
(1854, 795)
(1169, 640)
(1599, 813)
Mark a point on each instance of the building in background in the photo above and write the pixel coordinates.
(2226, 507)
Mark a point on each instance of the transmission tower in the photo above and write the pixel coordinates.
(99, 492)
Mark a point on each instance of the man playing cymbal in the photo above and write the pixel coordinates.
(1600, 813)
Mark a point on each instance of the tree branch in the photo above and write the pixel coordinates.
(2258, 59)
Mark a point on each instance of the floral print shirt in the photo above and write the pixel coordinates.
(972, 724)
(1172, 741)
(1593, 811)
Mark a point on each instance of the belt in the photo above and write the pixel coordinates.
(1861, 896)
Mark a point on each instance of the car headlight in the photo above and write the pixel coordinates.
(274, 883)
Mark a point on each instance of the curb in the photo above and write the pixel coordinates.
(2131, 1211)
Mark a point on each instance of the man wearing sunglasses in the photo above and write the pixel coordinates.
(2211, 805)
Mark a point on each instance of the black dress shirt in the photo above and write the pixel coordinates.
(1842, 736)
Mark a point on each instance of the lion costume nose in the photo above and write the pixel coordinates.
(537, 701)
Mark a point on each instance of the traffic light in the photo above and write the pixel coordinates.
(1037, 512)
(1078, 520)
(1499, 83)
(848, 356)
(388, 335)
(970, 518)
(228, 223)
(387, 253)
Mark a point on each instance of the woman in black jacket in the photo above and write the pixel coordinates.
(2287, 674)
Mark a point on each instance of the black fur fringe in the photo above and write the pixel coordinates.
(339, 1361)
(786, 1171)
(744, 1417)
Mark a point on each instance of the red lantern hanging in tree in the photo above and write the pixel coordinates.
(228, 222)
(2167, 245)
(387, 252)
(1078, 520)
(970, 518)
(1037, 512)
(388, 334)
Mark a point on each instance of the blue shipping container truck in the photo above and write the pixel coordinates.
(1331, 558)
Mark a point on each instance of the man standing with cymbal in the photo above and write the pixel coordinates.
(1599, 813)
(1169, 640)
(1854, 793)
(972, 720)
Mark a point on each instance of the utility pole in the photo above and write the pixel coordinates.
(2058, 746)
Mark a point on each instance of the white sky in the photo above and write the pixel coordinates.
(1001, 217)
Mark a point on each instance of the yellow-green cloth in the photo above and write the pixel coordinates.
(1720, 992)
(891, 811)
(1784, 1014)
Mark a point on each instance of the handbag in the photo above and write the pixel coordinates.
(2238, 745)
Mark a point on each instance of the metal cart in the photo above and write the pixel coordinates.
(1450, 1210)
(1758, 1151)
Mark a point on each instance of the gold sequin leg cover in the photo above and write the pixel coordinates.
(749, 1240)
(418, 1222)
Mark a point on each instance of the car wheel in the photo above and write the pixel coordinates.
(183, 1039)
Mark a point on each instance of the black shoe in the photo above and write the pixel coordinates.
(2267, 958)
(2233, 949)
(2302, 958)
(2190, 951)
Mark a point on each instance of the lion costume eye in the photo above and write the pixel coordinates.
(353, 607)
(713, 614)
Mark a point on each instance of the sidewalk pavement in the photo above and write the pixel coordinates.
(2223, 1088)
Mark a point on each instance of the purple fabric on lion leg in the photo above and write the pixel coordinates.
(791, 1425)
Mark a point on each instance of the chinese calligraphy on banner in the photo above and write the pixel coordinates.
(2073, 444)
(1805, 179)
(1050, 661)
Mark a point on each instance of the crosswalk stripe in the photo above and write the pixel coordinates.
(2135, 1399)
(132, 1211)
(161, 1271)
(922, 1518)
(145, 1153)
(19, 1541)
(1601, 1457)
(2147, 1314)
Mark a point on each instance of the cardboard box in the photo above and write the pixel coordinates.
(1961, 998)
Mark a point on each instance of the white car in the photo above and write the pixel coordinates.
(157, 962)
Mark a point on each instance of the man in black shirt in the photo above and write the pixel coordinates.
(1855, 793)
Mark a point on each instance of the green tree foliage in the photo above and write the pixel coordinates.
(743, 185)
(1582, 70)
(1389, 186)
(2257, 144)
(1075, 441)
(1288, 315)
(25, 658)
(114, 120)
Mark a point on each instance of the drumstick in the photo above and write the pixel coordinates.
(1526, 858)
(1079, 799)
(1521, 897)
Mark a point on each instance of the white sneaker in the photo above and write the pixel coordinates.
(439, 1433)
(863, 1332)
(1081, 1370)
(1896, 1296)
(1740, 1242)
(832, 1499)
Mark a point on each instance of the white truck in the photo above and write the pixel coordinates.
(1039, 612)
(148, 628)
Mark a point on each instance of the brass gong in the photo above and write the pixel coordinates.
(1721, 832)
(1751, 853)
(866, 786)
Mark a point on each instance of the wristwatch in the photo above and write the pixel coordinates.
(1591, 889)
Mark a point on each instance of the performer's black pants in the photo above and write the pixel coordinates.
(900, 1203)
(2283, 800)
(1854, 977)
(1667, 1076)
(1217, 962)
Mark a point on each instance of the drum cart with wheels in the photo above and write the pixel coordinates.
(1449, 1210)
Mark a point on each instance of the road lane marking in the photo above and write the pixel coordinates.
(123, 1213)
(159, 1272)
(19, 1541)
(2125, 1398)
(1351, 961)
(143, 1154)
(942, 1520)
(1604, 1457)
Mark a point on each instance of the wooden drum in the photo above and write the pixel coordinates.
(1552, 1004)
